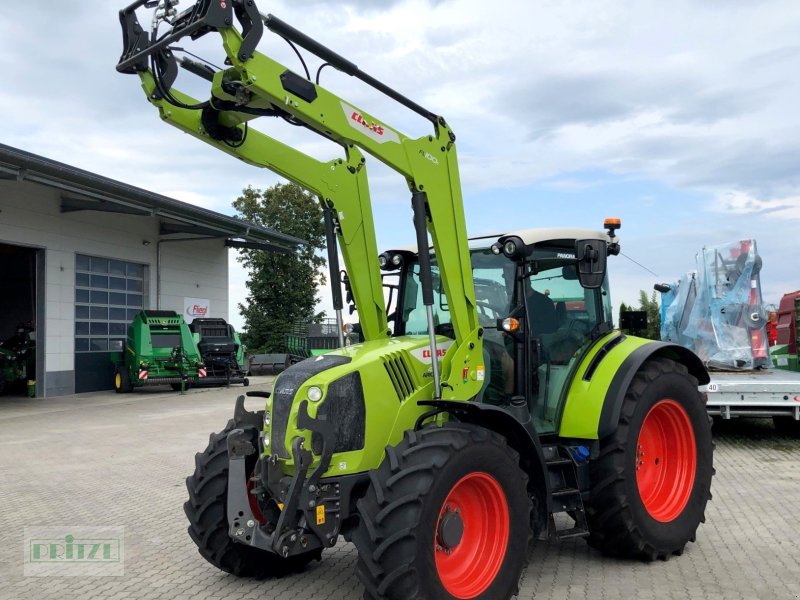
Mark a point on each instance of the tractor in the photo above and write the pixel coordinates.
(491, 403)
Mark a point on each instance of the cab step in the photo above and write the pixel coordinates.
(565, 495)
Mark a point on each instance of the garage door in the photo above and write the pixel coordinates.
(108, 294)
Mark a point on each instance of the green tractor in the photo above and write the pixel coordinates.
(159, 350)
(492, 403)
(17, 358)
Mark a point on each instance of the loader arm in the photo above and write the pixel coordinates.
(341, 183)
(255, 84)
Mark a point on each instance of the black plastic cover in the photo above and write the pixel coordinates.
(299, 86)
(344, 408)
(285, 389)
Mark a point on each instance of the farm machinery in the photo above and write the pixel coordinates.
(17, 356)
(717, 311)
(501, 405)
(159, 350)
(221, 351)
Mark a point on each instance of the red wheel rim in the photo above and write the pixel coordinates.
(254, 507)
(468, 567)
(666, 460)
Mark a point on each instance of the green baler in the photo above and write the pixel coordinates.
(159, 350)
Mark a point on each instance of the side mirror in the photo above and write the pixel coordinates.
(591, 256)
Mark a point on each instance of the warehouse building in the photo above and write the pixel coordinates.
(81, 254)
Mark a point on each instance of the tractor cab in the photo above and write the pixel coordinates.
(542, 298)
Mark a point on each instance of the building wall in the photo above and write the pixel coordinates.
(30, 216)
(196, 269)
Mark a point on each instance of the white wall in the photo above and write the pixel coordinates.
(194, 270)
(30, 216)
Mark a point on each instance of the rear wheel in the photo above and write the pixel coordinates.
(122, 381)
(652, 480)
(206, 510)
(787, 426)
(447, 515)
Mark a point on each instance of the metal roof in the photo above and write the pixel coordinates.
(82, 190)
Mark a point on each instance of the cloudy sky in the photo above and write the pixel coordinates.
(682, 118)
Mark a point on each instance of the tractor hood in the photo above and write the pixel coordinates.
(333, 388)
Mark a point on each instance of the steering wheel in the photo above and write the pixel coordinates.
(578, 328)
(487, 311)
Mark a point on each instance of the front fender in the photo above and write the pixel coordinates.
(528, 447)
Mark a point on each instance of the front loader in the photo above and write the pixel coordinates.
(499, 406)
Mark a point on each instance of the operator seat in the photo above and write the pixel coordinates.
(561, 314)
(542, 311)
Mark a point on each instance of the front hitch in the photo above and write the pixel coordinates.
(310, 517)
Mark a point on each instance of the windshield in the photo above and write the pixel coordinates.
(554, 295)
(494, 288)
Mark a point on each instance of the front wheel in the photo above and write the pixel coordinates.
(447, 516)
(652, 480)
(122, 381)
(206, 510)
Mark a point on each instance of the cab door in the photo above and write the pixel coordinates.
(563, 319)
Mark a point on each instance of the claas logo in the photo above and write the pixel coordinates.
(359, 118)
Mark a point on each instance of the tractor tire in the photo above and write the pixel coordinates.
(652, 479)
(2, 382)
(122, 381)
(447, 515)
(787, 426)
(206, 510)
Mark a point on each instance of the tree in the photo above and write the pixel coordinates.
(281, 289)
(653, 310)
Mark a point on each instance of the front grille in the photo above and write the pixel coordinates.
(284, 391)
(400, 375)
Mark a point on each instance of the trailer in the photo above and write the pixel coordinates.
(763, 393)
(771, 392)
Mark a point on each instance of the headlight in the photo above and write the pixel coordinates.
(509, 248)
(397, 260)
(314, 393)
(267, 418)
(266, 441)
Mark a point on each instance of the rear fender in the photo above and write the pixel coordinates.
(528, 447)
(609, 417)
(594, 400)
